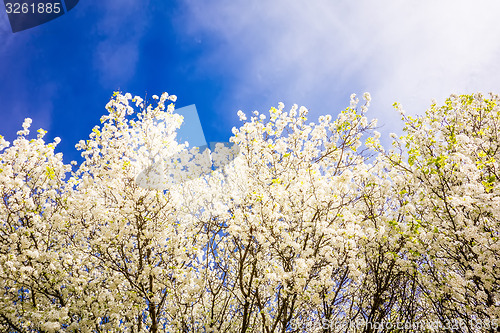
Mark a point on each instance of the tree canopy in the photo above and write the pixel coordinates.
(312, 227)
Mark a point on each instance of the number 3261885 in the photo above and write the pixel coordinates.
(40, 8)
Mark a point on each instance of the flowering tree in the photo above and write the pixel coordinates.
(451, 171)
(312, 227)
(133, 236)
(40, 276)
(294, 229)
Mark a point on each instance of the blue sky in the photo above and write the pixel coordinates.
(227, 55)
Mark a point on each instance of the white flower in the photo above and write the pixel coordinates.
(138, 101)
(242, 115)
(367, 97)
(354, 101)
(27, 123)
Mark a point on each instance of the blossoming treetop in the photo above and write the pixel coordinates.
(312, 223)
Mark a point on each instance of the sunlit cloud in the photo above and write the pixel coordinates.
(318, 53)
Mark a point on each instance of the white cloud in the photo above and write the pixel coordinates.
(318, 52)
(116, 62)
(22, 108)
(121, 27)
